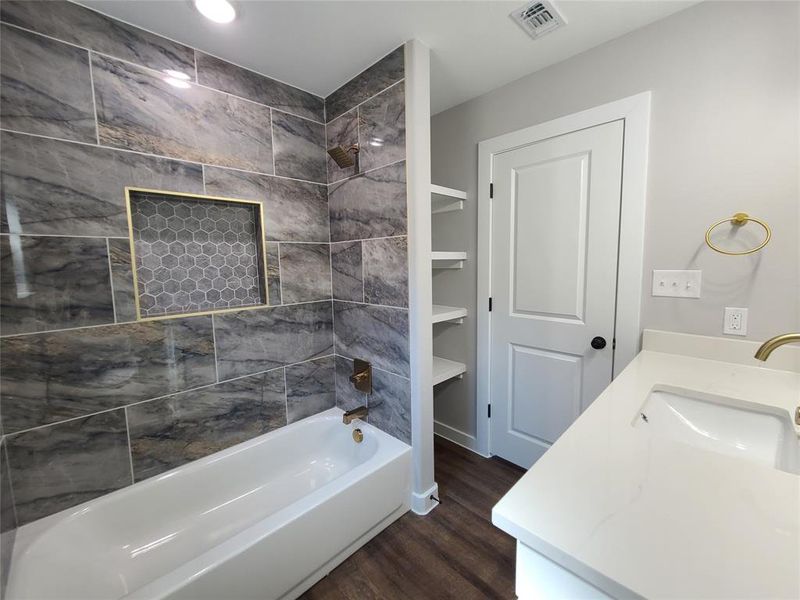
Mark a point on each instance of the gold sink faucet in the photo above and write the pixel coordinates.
(771, 344)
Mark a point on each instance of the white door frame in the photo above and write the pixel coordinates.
(635, 111)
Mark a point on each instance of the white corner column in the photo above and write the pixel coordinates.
(420, 298)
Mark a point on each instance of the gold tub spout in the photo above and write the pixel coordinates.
(771, 344)
(357, 413)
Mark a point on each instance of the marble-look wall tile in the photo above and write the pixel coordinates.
(221, 75)
(8, 519)
(60, 188)
(299, 146)
(390, 404)
(386, 271)
(369, 205)
(347, 271)
(56, 467)
(251, 341)
(294, 211)
(305, 272)
(45, 87)
(83, 27)
(310, 388)
(49, 377)
(388, 70)
(377, 334)
(343, 132)
(273, 274)
(382, 128)
(347, 396)
(169, 432)
(122, 280)
(138, 110)
(53, 283)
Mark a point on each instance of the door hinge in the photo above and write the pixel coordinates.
(490, 304)
(491, 190)
(489, 411)
(614, 344)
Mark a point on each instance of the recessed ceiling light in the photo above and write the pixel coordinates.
(219, 11)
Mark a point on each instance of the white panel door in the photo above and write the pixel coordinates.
(555, 235)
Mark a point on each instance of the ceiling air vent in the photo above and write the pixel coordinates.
(538, 18)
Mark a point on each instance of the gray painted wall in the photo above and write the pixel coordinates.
(724, 138)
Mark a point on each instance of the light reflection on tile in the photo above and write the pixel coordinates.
(56, 467)
(172, 431)
(53, 283)
(310, 388)
(138, 110)
(49, 377)
(45, 87)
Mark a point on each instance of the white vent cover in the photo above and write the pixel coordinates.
(538, 18)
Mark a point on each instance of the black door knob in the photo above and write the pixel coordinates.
(598, 343)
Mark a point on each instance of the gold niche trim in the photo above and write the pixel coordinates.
(262, 248)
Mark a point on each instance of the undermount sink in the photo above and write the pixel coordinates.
(724, 425)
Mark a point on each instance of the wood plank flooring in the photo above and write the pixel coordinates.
(454, 552)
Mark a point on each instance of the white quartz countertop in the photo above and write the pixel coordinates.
(636, 514)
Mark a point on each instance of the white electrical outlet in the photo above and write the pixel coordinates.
(677, 284)
(735, 321)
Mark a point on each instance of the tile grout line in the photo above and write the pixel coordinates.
(130, 447)
(388, 87)
(163, 396)
(160, 156)
(280, 275)
(10, 481)
(350, 358)
(121, 237)
(164, 318)
(405, 308)
(161, 71)
(272, 139)
(214, 344)
(111, 280)
(94, 100)
(285, 395)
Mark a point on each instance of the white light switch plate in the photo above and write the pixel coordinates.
(677, 284)
(735, 321)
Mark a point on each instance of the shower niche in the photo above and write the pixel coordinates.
(195, 254)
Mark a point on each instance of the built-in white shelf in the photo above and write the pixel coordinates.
(448, 260)
(443, 313)
(445, 199)
(444, 369)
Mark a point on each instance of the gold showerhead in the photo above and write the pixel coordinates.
(342, 156)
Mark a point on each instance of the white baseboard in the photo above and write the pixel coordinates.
(457, 436)
(424, 503)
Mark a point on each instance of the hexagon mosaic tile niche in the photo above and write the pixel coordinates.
(196, 254)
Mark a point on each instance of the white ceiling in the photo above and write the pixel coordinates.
(317, 46)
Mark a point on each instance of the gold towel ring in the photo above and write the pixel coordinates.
(738, 220)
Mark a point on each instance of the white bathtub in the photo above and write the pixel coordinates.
(264, 519)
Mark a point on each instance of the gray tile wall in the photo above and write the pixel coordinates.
(369, 256)
(82, 383)
(85, 111)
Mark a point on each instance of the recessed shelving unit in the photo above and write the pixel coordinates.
(444, 369)
(453, 314)
(444, 200)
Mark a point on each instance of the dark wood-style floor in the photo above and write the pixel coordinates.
(454, 552)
